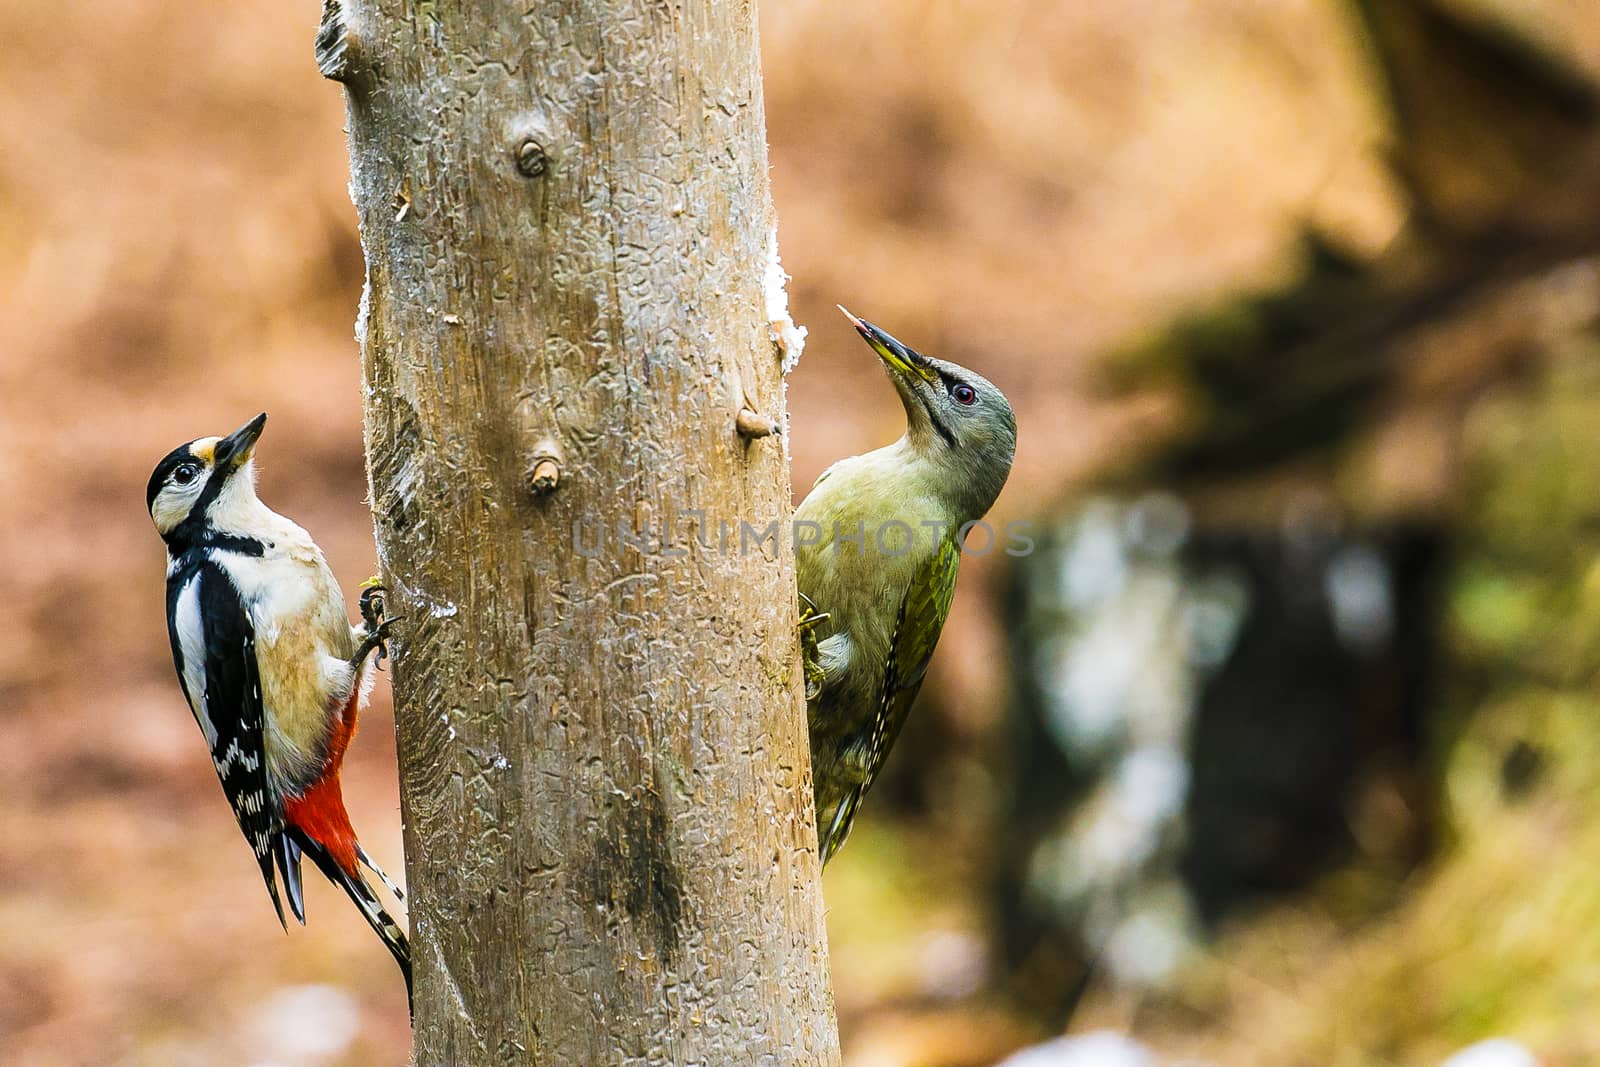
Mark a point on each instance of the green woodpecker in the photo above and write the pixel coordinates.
(878, 541)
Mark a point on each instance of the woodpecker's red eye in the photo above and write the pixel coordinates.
(964, 394)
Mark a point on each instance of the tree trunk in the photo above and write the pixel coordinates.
(604, 764)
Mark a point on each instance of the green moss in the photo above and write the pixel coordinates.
(1495, 614)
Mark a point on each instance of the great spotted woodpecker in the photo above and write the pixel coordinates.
(270, 665)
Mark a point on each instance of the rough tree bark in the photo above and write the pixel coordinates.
(604, 766)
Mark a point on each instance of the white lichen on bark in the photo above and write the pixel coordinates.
(789, 338)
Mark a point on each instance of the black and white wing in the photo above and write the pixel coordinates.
(214, 649)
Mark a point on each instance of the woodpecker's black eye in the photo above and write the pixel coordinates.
(963, 393)
(185, 474)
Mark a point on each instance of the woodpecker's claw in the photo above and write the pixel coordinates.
(809, 615)
(373, 594)
(377, 639)
(810, 659)
(373, 597)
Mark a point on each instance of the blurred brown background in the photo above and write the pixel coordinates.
(1286, 262)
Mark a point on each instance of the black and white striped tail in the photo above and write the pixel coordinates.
(365, 900)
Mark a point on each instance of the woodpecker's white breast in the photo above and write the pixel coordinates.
(303, 643)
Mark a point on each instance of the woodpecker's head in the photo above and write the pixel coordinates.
(202, 484)
(957, 421)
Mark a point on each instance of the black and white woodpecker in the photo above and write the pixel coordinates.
(878, 577)
(271, 666)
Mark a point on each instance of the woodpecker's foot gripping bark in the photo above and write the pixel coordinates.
(373, 595)
(810, 659)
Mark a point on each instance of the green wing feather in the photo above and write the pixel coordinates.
(916, 633)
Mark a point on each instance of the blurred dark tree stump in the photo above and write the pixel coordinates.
(1301, 745)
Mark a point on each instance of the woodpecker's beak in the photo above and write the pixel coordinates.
(907, 362)
(233, 451)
